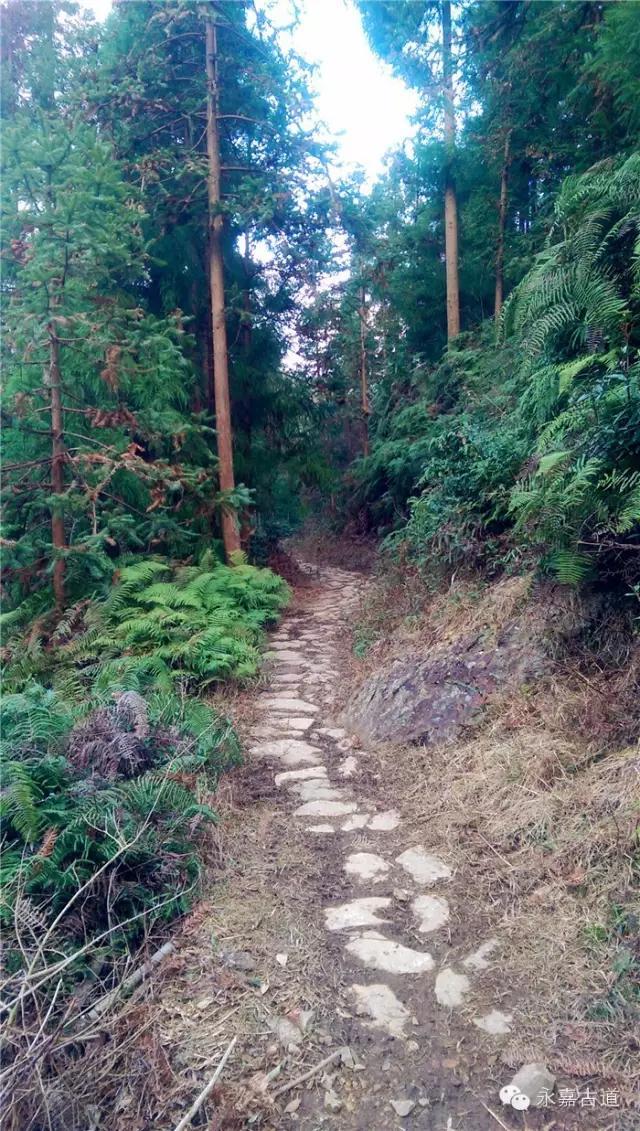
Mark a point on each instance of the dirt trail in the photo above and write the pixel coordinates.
(335, 929)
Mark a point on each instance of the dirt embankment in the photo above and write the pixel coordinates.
(518, 711)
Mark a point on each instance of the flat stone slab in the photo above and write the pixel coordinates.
(285, 703)
(287, 655)
(285, 677)
(432, 912)
(384, 822)
(333, 732)
(325, 809)
(422, 866)
(450, 988)
(479, 960)
(379, 1002)
(278, 728)
(358, 821)
(384, 954)
(320, 829)
(300, 775)
(291, 751)
(317, 789)
(366, 866)
(296, 722)
(348, 767)
(496, 1023)
(356, 913)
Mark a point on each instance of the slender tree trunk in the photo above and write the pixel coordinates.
(58, 454)
(502, 221)
(450, 198)
(364, 384)
(246, 330)
(230, 534)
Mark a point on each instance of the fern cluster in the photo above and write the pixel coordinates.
(190, 623)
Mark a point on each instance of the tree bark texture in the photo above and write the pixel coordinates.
(450, 198)
(502, 222)
(364, 384)
(230, 534)
(58, 538)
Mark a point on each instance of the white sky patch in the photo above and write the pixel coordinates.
(365, 108)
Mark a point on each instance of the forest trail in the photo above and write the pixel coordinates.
(339, 916)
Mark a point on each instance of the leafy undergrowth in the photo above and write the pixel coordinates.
(540, 807)
(160, 625)
(111, 763)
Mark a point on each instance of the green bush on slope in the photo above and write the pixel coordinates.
(531, 445)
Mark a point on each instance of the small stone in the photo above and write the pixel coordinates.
(282, 959)
(422, 866)
(291, 751)
(348, 767)
(450, 988)
(402, 895)
(382, 1005)
(285, 703)
(366, 866)
(241, 960)
(478, 960)
(356, 913)
(332, 1100)
(496, 1023)
(204, 1003)
(384, 822)
(316, 789)
(403, 1107)
(392, 957)
(300, 775)
(325, 809)
(432, 911)
(293, 1106)
(358, 821)
(535, 1082)
(286, 1032)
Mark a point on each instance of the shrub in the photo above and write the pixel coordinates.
(109, 802)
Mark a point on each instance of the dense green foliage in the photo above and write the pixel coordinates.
(522, 442)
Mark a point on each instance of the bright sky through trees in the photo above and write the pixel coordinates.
(365, 108)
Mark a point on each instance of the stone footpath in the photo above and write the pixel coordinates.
(316, 765)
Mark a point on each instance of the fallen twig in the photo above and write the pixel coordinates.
(498, 854)
(496, 1117)
(206, 1091)
(129, 983)
(305, 1075)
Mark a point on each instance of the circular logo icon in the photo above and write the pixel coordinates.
(508, 1092)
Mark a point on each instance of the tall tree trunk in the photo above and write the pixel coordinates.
(54, 381)
(502, 221)
(230, 534)
(450, 198)
(364, 386)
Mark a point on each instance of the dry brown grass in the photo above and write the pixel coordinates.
(539, 809)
